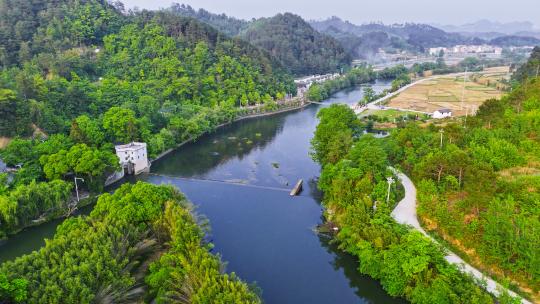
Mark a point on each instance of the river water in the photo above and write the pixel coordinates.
(239, 178)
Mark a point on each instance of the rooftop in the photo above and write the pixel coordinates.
(444, 111)
(132, 146)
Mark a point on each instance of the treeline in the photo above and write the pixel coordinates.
(354, 77)
(78, 76)
(480, 189)
(140, 244)
(530, 69)
(159, 65)
(354, 182)
(42, 186)
(299, 47)
(287, 37)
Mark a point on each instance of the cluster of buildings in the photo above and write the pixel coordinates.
(303, 84)
(466, 49)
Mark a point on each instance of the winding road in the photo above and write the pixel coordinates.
(405, 213)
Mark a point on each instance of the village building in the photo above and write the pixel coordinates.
(133, 157)
(442, 113)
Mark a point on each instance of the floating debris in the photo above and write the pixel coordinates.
(232, 138)
(275, 165)
(258, 134)
(249, 142)
(215, 153)
(298, 188)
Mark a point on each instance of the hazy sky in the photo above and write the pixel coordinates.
(362, 11)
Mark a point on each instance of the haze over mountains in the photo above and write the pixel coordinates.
(329, 43)
(487, 26)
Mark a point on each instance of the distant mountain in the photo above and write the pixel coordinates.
(512, 40)
(486, 26)
(287, 37)
(398, 36)
(297, 45)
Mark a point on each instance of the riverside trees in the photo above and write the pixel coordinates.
(355, 188)
(140, 243)
(481, 188)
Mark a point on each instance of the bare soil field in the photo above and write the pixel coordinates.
(446, 92)
(4, 141)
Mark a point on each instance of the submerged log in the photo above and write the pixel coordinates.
(298, 188)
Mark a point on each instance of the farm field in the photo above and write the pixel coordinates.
(389, 114)
(4, 141)
(447, 91)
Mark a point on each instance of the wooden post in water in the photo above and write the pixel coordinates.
(298, 188)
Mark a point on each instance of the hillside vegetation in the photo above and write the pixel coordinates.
(90, 75)
(287, 37)
(140, 244)
(478, 191)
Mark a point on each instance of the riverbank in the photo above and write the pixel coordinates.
(54, 215)
(294, 106)
(264, 235)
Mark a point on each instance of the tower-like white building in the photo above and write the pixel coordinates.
(133, 157)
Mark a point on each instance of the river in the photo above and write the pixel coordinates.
(239, 178)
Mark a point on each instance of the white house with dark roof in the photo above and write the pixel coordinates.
(133, 157)
(442, 113)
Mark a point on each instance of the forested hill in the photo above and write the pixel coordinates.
(287, 37)
(297, 44)
(225, 24)
(68, 58)
(530, 69)
(39, 27)
(82, 75)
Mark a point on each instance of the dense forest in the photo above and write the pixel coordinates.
(478, 189)
(140, 244)
(287, 37)
(530, 69)
(298, 46)
(354, 182)
(78, 76)
(228, 25)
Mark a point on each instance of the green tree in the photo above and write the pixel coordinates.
(121, 125)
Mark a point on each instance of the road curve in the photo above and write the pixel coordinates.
(405, 213)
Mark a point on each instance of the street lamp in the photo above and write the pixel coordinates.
(390, 181)
(77, 187)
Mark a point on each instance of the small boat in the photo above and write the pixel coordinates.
(298, 188)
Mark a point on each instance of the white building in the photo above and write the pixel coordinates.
(133, 157)
(442, 113)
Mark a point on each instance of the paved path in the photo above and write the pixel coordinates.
(405, 213)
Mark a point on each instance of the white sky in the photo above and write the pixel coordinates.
(362, 11)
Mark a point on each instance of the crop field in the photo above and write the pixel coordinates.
(448, 92)
(4, 141)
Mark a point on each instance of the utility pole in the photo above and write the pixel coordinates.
(77, 187)
(466, 115)
(390, 181)
(463, 89)
(442, 132)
